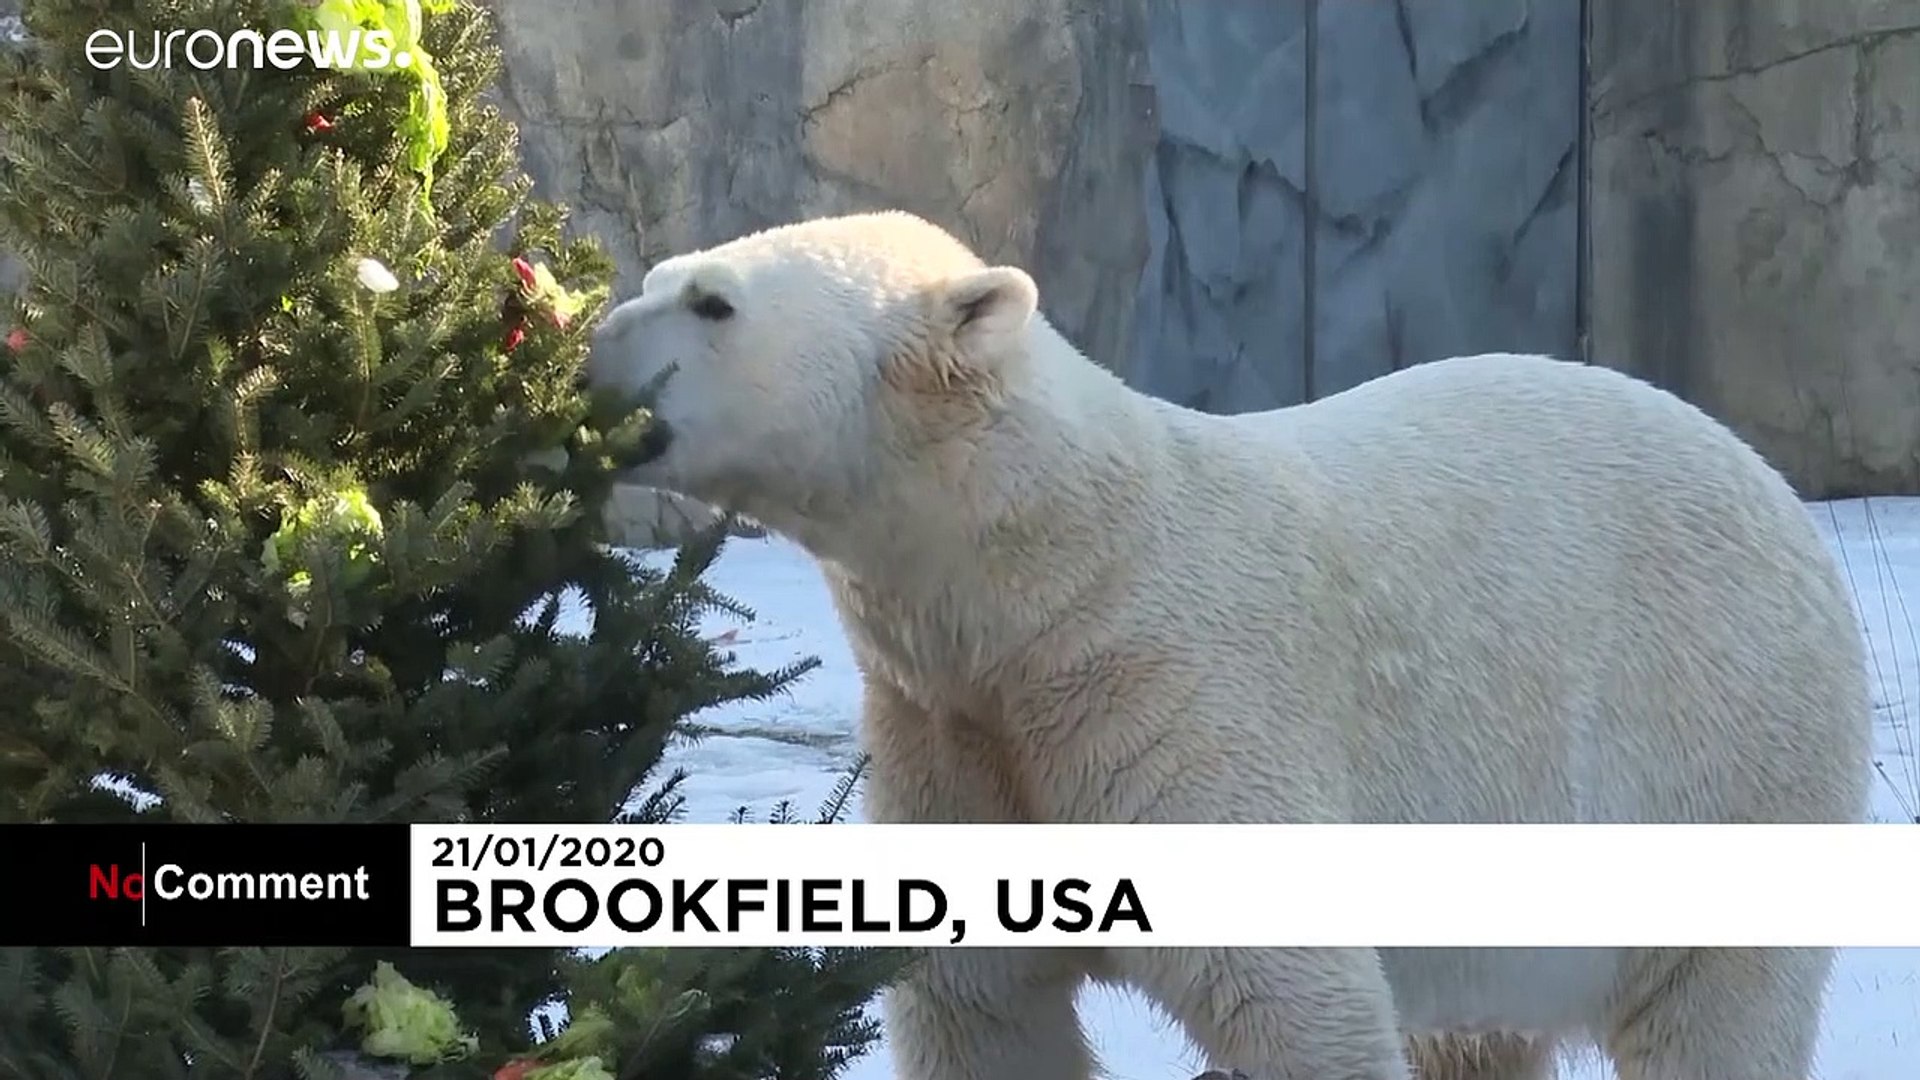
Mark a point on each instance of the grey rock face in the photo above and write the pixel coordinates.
(1450, 224)
(1151, 161)
(1755, 224)
(1221, 305)
(1340, 190)
(681, 123)
(1240, 204)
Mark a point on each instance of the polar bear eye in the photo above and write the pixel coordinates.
(710, 307)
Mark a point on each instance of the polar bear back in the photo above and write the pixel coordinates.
(1555, 593)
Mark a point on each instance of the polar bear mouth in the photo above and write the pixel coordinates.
(654, 443)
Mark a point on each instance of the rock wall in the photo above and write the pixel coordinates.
(1151, 161)
(680, 123)
(1240, 204)
(1338, 190)
(1755, 223)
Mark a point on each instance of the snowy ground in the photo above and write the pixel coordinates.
(795, 747)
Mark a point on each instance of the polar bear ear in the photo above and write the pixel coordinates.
(973, 322)
(985, 307)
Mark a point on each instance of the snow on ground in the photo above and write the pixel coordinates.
(795, 747)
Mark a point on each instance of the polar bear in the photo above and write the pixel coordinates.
(1497, 588)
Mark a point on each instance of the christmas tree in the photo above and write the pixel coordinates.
(296, 487)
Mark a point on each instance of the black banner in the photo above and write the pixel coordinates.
(207, 885)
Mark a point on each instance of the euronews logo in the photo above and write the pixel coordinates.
(205, 50)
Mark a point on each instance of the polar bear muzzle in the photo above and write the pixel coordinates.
(654, 443)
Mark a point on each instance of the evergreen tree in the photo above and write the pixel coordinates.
(284, 537)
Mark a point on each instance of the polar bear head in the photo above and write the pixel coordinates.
(823, 372)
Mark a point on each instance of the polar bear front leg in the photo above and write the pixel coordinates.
(985, 1014)
(1277, 1014)
(965, 1014)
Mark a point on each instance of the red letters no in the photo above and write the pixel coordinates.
(107, 881)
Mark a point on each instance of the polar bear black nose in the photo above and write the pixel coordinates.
(658, 437)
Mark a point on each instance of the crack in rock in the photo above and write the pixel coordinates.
(1603, 108)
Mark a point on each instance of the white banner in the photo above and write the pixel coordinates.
(1171, 885)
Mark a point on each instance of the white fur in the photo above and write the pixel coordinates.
(1496, 588)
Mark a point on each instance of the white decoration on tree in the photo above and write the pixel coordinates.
(376, 277)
